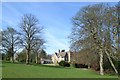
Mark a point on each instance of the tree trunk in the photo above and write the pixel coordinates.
(88, 66)
(27, 57)
(12, 54)
(12, 59)
(36, 59)
(111, 62)
(12, 49)
(101, 63)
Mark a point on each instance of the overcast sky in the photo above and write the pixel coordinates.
(55, 17)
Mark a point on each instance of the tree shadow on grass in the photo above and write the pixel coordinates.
(50, 66)
(40, 65)
(2, 66)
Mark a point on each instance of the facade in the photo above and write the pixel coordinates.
(61, 56)
(46, 61)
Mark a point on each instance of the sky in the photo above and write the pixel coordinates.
(55, 17)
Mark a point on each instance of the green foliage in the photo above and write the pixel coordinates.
(108, 68)
(117, 64)
(32, 58)
(43, 54)
(22, 56)
(21, 60)
(3, 56)
(61, 63)
(64, 64)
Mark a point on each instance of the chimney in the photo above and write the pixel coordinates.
(63, 50)
(59, 51)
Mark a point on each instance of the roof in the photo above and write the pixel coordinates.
(62, 54)
(46, 60)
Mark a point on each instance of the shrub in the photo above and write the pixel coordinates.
(7, 59)
(80, 65)
(21, 60)
(117, 64)
(61, 63)
(64, 64)
(67, 64)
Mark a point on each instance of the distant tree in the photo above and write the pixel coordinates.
(31, 31)
(22, 56)
(43, 54)
(0, 44)
(3, 56)
(37, 49)
(10, 41)
(49, 56)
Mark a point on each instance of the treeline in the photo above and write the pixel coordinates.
(29, 38)
(95, 37)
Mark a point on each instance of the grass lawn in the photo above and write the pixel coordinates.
(44, 71)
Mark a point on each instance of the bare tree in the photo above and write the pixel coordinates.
(10, 41)
(1, 45)
(31, 31)
(92, 28)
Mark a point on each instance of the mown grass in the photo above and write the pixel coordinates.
(16, 70)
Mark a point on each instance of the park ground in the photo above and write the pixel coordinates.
(18, 70)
